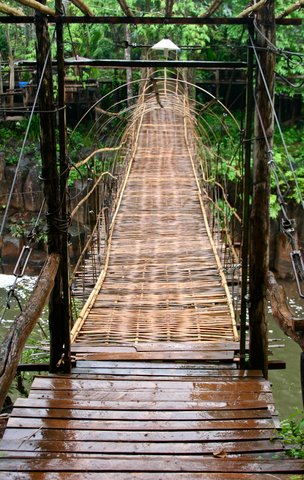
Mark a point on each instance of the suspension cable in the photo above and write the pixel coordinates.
(287, 224)
(288, 156)
(25, 139)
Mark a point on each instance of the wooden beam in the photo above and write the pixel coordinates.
(83, 7)
(13, 344)
(50, 176)
(169, 7)
(147, 20)
(215, 5)
(247, 194)
(120, 63)
(10, 10)
(259, 234)
(252, 9)
(125, 8)
(37, 6)
(291, 9)
(65, 301)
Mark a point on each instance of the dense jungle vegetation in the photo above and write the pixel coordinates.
(17, 42)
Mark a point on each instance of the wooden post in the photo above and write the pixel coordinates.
(65, 304)
(246, 202)
(259, 255)
(50, 175)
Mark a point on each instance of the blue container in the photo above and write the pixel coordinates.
(23, 84)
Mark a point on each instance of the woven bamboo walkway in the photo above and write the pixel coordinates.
(163, 282)
(156, 393)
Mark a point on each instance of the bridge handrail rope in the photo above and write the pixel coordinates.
(201, 201)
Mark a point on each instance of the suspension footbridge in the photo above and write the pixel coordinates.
(156, 391)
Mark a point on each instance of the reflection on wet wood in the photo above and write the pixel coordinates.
(87, 423)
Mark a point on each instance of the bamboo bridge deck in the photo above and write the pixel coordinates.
(156, 393)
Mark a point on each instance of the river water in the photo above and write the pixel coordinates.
(286, 383)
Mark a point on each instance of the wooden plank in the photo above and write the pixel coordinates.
(141, 476)
(139, 425)
(29, 410)
(202, 346)
(187, 367)
(201, 356)
(157, 396)
(153, 464)
(40, 433)
(147, 374)
(145, 448)
(157, 374)
(190, 388)
(166, 346)
(85, 404)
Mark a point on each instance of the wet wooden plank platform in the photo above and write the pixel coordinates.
(219, 424)
(156, 393)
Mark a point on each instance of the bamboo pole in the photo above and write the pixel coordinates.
(291, 9)
(10, 10)
(37, 6)
(252, 9)
(11, 348)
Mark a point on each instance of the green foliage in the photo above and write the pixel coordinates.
(293, 138)
(292, 433)
(11, 137)
(22, 228)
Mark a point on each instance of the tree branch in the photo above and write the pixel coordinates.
(125, 8)
(215, 5)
